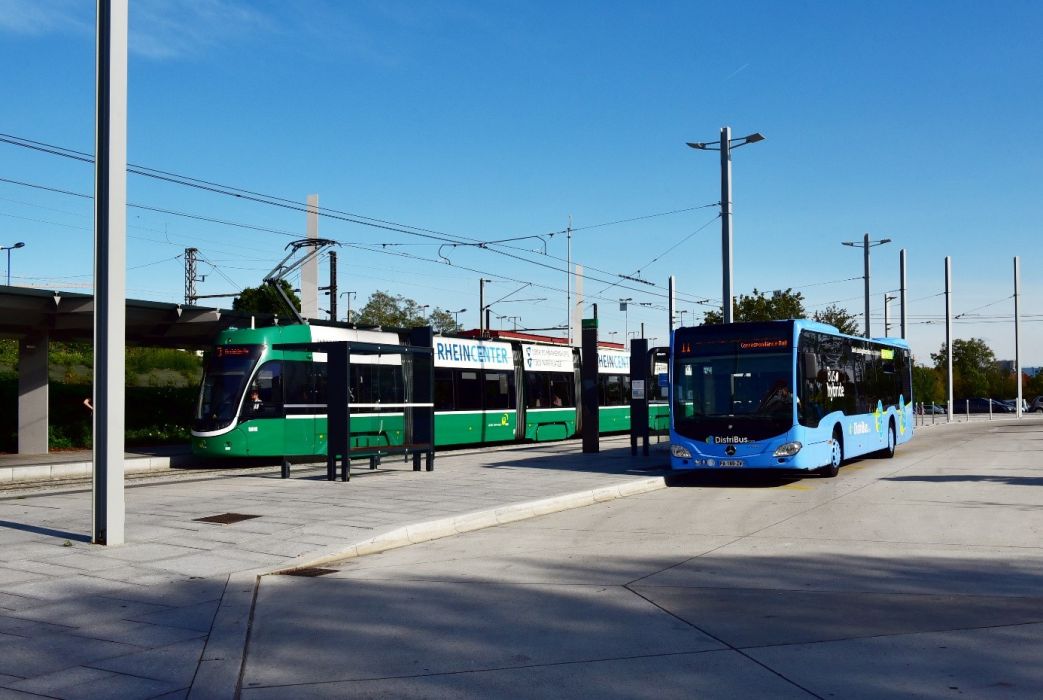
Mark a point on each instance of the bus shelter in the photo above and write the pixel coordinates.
(417, 407)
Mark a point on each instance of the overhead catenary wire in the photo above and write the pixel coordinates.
(303, 208)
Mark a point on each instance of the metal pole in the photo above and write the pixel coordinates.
(333, 285)
(865, 248)
(481, 307)
(110, 262)
(1017, 330)
(670, 311)
(726, 226)
(948, 336)
(887, 320)
(190, 275)
(568, 281)
(901, 274)
(8, 267)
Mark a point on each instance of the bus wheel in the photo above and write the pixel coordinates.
(889, 451)
(836, 455)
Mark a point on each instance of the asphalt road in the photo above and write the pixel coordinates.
(918, 576)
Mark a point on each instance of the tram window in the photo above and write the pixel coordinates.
(536, 393)
(468, 391)
(499, 390)
(562, 390)
(264, 396)
(611, 390)
(375, 384)
(444, 389)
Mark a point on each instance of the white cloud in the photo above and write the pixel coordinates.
(159, 29)
(39, 17)
(169, 29)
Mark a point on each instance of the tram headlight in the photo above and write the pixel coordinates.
(680, 451)
(788, 450)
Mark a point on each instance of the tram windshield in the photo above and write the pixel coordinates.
(224, 379)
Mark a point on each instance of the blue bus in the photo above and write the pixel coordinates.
(790, 395)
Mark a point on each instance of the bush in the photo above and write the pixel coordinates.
(154, 415)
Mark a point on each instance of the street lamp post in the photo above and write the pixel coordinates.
(626, 314)
(456, 316)
(9, 248)
(866, 244)
(725, 146)
(349, 295)
(888, 298)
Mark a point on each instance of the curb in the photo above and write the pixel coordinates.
(224, 656)
(42, 473)
(478, 520)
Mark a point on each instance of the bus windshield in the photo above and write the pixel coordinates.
(734, 387)
(224, 379)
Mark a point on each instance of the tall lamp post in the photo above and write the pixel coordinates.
(9, 248)
(456, 316)
(866, 244)
(349, 295)
(725, 146)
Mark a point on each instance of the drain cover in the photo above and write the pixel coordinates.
(309, 571)
(226, 518)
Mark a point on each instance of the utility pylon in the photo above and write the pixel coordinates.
(190, 276)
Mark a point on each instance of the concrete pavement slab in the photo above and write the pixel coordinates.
(46, 653)
(988, 663)
(104, 686)
(308, 630)
(723, 675)
(175, 663)
(843, 565)
(758, 617)
(198, 617)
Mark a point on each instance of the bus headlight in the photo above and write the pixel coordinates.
(680, 451)
(788, 450)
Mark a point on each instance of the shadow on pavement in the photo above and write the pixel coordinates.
(49, 532)
(839, 625)
(984, 478)
(734, 478)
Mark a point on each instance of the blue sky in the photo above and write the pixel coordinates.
(919, 122)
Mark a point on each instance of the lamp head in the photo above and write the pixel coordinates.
(885, 240)
(700, 146)
(19, 244)
(754, 137)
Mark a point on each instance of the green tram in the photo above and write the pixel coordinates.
(257, 400)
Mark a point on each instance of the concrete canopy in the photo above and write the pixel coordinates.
(69, 316)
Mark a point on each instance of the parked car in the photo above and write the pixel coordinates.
(1037, 405)
(981, 405)
(929, 408)
(1012, 404)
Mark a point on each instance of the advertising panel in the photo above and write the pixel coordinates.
(613, 362)
(547, 358)
(463, 353)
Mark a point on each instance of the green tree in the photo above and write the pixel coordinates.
(974, 367)
(840, 317)
(265, 300)
(928, 384)
(396, 311)
(443, 321)
(761, 307)
(1033, 386)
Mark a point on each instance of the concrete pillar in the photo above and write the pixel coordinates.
(33, 405)
(310, 270)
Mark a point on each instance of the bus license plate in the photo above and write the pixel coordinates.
(730, 463)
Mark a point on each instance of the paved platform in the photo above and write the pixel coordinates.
(168, 614)
(167, 611)
(78, 464)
